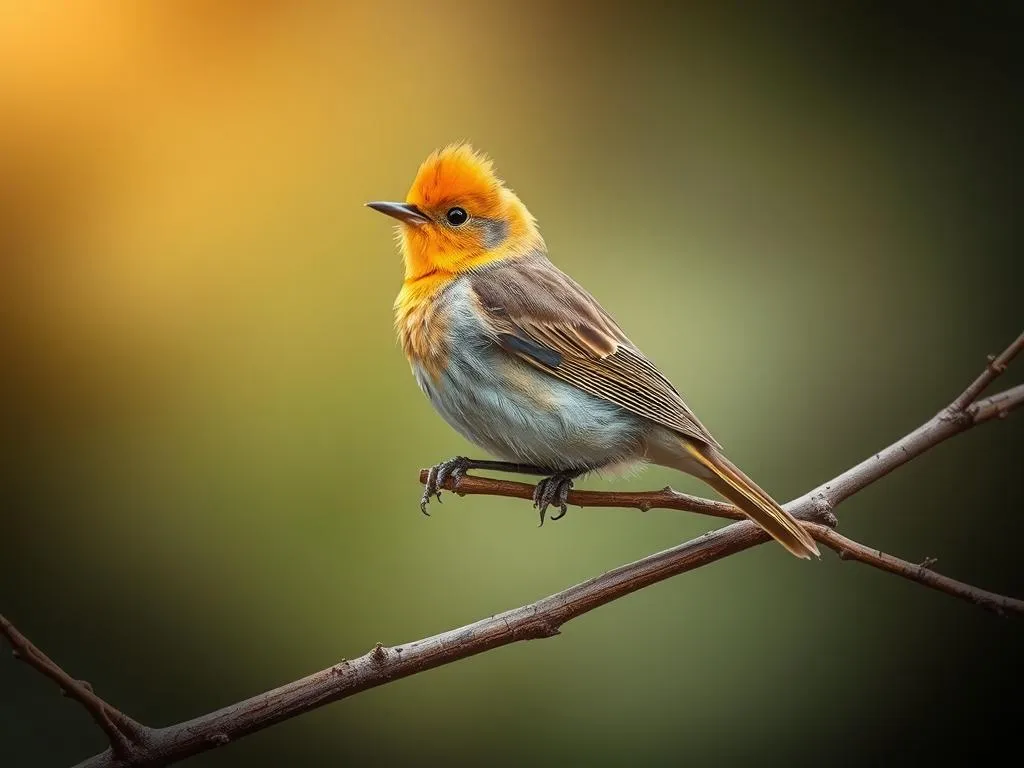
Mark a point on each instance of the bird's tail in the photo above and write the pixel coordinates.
(726, 478)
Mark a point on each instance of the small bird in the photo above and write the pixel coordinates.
(523, 362)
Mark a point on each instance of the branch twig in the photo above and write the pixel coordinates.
(996, 365)
(998, 406)
(122, 732)
(544, 617)
(848, 549)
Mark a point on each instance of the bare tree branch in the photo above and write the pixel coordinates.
(122, 732)
(848, 549)
(544, 617)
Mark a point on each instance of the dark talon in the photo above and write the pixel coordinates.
(429, 489)
(537, 493)
(562, 509)
(454, 468)
(562, 497)
(553, 490)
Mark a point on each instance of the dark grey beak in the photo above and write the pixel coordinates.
(404, 212)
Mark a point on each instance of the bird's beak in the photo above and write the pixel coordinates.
(404, 212)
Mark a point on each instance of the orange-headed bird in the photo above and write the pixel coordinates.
(523, 362)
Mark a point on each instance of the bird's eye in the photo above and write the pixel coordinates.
(456, 216)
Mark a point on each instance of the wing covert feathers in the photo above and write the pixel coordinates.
(554, 318)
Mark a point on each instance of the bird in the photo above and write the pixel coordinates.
(523, 362)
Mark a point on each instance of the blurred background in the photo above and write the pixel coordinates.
(808, 216)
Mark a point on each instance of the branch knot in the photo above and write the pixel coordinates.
(822, 506)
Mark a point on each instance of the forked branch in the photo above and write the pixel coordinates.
(151, 747)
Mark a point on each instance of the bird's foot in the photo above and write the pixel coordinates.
(553, 490)
(454, 468)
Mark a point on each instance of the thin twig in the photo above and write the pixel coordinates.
(996, 365)
(544, 617)
(121, 731)
(848, 549)
(666, 498)
(999, 405)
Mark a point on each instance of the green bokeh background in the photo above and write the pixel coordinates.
(809, 217)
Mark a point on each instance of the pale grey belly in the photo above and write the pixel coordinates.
(520, 414)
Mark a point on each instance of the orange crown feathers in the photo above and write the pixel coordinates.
(456, 173)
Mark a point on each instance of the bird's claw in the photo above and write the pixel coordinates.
(552, 490)
(454, 468)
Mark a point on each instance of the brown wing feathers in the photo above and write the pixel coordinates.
(544, 317)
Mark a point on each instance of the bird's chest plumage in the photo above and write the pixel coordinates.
(508, 407)
(422, 326)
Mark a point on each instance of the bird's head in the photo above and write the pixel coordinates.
(459, 215)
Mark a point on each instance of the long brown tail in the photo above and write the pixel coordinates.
(729, 480)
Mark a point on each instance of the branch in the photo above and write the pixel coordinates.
(544, 617)
(998, 406)
(122, 732)
(996, 365)
(848, 549)
(817, 504)
(666, 498)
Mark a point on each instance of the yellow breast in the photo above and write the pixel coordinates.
(422, 325)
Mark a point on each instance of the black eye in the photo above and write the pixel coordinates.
(456, 216)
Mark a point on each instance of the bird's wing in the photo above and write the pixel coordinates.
(541, 315)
